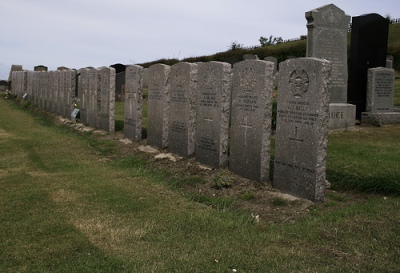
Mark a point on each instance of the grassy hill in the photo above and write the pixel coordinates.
(282, 51)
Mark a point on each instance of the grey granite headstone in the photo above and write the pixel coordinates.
(133, 102)
(250, 57)
(302, 128)
(380, 90)
(62, 93)
(69, 82)
(94, 95)
(389, 61)
(83, 92)
(107, 97)
(182, 117)
(30, 85)
(145, 78)
(158, 106)
(252, 87)
(327, 39)
(212, 117)
(56, 95)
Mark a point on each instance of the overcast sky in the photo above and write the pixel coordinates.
(80, 33)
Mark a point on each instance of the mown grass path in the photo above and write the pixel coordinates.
(63, 208)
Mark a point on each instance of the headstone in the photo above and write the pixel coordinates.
(212, 117)
(182, 117)
(250, 57)
(389, 61)
(107, 97)
(40, 68)
(158, 106)
(84, 95)
(369, 40)
(74, 114)
(274, 61)
(133, 102)
(380, 90)
(69, 91)
(327, 39)
(145, 78)
(94, 102)
(56, 93)
(302, 128)
(252, 87)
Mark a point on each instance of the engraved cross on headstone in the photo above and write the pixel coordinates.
(208, 119)
(296, 135)
(246, 126)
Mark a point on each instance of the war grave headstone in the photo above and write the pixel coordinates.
(182, 117)
(158, 106)
(133, 102)
(274, 60)
(302, 128)
(84, 95)
(14, 83)
(94, 102)
(56, 95)
(327, 39)
(145, 78)
(71, 92)
(50, 91)
(61, 92)
(369, 40)
(213, 110)
(251, 114)
(107, 97)
(380, 93)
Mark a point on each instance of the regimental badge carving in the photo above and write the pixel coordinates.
(209, 78)
(331, 17)
(156, 77)
(179, 78)
(298, 82)
(247, 79)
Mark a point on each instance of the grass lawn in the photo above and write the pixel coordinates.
(66, 205)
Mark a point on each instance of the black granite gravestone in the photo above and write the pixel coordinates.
(369, 40)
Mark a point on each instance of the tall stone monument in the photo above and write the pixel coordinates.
(182, 116)
(251, 115)
(213, 108)
(302, 128)
(107, 98)
(158, 106)
(369, 40)
(327, 39)
(133, 102)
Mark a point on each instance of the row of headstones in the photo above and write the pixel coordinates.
(210, 110)
(55, 92)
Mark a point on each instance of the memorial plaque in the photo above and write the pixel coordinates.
(133, 102)
(302, 128)
(253, 84)
(369, 40)
(212, 117)
(380, 90)
(182, 120)
(158, 106)
(107, 98)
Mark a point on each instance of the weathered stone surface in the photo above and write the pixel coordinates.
(107, 98)
(83, 93)
(158, 106)
(274, 61)
(56, 92)
(380, 119)
(302, 128)
(327, 39)
(380, 90)
(133, 102)
(212, 119)
(252, 87)
(94, 98)
(182, 117)
(341, 116)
